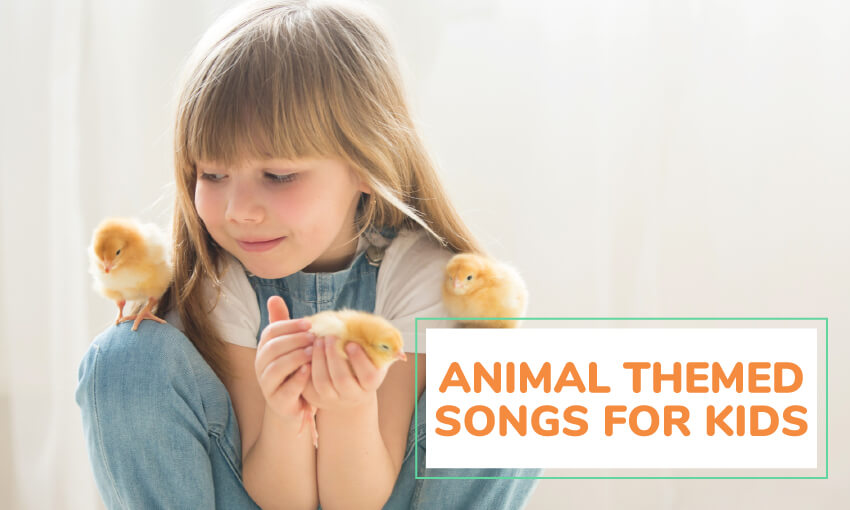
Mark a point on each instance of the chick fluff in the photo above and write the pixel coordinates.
(130, 262)
(381, 341)
(479, 286)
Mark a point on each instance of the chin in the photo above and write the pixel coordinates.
(269, 273)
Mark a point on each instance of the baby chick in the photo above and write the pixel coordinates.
(478, 286)
(381, 341)
(130, 261)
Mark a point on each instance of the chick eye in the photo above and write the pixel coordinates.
(384, 347)
(118, 252)
(469, 277)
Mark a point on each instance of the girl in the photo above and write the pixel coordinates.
(302, 186)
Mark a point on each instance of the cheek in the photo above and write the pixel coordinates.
(206, 203)
(289, 208)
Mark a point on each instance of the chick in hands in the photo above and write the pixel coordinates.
(479, 286)
(130, 262)
(380, 340)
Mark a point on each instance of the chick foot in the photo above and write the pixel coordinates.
(314, 428)
(310, 421)
(120, 318)
(145, 313)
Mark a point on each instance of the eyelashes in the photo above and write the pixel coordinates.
(277, 179)
(281, 178)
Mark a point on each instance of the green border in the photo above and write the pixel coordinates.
(416, 407)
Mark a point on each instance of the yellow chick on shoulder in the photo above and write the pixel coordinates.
(479, 286)
(130, 262)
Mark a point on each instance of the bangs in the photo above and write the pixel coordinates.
(256, 97)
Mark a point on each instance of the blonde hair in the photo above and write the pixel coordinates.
(297, 79)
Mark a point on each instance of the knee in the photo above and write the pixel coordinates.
(126, 365)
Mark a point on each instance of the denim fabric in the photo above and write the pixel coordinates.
(161, 431)
(159, 424)
(434, 494)
(310, 293)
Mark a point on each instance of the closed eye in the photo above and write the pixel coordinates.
(211, 177)
(275, 178)
(281, 178)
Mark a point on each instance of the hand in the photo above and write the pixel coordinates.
(333, 384)
(282, 364)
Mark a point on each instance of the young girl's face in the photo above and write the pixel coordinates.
(309, 203)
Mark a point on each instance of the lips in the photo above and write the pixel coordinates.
(257, 241)
(261, 245)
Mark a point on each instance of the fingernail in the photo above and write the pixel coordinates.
(311, 336)
(350, 348)
(309, 350)
(318, 343)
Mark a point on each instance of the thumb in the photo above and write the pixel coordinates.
(277, 309)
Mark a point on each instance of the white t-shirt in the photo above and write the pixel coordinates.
(409, 285)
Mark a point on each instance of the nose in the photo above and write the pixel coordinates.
(244, 204)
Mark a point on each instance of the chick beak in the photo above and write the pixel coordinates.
(401, 356)
(106, 268)
(457, 283)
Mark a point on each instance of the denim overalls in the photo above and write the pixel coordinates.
(161, 431)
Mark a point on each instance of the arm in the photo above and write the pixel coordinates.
(279, 471)
(353, 473)
(361, 473)
(278, 465)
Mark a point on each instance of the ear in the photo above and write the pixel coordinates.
(361, 183)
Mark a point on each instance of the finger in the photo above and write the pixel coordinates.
(310, 395)
(321, 378)
(276, 372)
(298, 380)
(368, 376)
(277, 312)
(281, 345)
(339, 372)
(292, 387)
(281, 328)
(277, 309)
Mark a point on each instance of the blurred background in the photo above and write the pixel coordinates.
(633, 158)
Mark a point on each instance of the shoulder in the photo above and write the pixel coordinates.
(234, 311)
(410, 282)
(415, 263)
(417, 246)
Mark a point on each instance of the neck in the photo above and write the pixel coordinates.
(336, 258)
